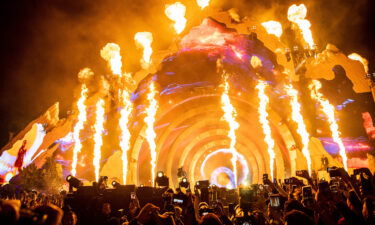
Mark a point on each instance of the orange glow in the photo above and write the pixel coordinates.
(203, 3)
(8, 176)
(150, 122)
(230, 115)
(176, 13)
(85, 74)
(111, 53)
(255, 62)
(98, 136)
(82, 117)
(329, 111)
(273, 27)
(125, 133)
(144, 40)
(358, 57)
(297, 15)
(263, 114)
(298, 119)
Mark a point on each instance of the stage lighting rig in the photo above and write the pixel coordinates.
(115, 184)
(161, 180)
(73, 182)
(184, 183)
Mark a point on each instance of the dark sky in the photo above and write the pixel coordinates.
(44, 43)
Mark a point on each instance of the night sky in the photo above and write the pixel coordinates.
(44, 43)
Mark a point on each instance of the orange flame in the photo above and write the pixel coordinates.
(203, 3)
(301, 127)
(111, 53)
(125, 133)
(150, 132)
(263, 103)
(144, 40)
(358, 57)
(8, 176)
(297, 15)
(255, 62)
(329, 111)
(98, 136)
(82, 117)
(230, 115)
(273, 27)
(176, 13)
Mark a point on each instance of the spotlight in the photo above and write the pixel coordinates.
(73, 182)
(160, 174)
(184, 183)
(161, 180)
(115, 184)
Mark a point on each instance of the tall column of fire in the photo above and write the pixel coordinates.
(150, 122)
(144, 40)
(297, 15)
(301, 127)
(262, 110)
(82, 117)
(230, 115)
(329, 111)
(176, 13)
(98, 135)
(111, 53)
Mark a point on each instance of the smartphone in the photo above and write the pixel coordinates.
(132, 195)
(307, 192)
(275, 201)
(178, 201)
(333, 172)
(302, 173)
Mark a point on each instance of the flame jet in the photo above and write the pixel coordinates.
(127, 107)
(144, 40)
(297, 15)
(111, 53)
(176, 13)
(82, 117)
(329, 111)
(301, 127)
(150, 122)
(98, 135)
(273, 27)
(203, 3)
(262, 110)
(230, 115)
(358, 57)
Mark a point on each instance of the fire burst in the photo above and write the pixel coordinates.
(176, 13)
(273, 27)
(357, 57)
(150, 122)
(297, 15)
(301, 127)
(263, 102)
(203, 3)
(329, 111)
(98, 136)
(111, 53)
(144, 40)
(82, 117)
(125, 133)
(230, 115)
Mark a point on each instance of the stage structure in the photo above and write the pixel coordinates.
(228, 102)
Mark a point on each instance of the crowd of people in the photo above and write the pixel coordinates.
(300, 200)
